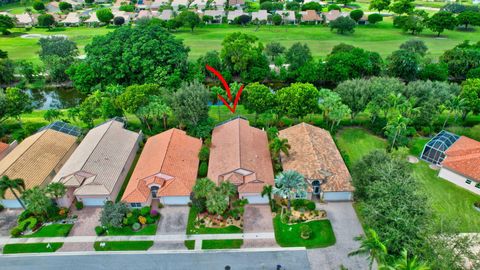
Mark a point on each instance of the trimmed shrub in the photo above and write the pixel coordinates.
(79, 205)
(203, 169)
(136, 226)
(356, 14)
(16, 231)
(311, 206)
(145, 211)
(334, 7)
(160, 205)
(118, 20)
(153, 213)
(150, 220)
(99, 230)
(204, 153)
(24, 215)
(374, 18)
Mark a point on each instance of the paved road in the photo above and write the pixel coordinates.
(237, 260)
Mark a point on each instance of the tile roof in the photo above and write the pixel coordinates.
(239, 153)
(310, 16)
(97, 163)
(261, 15)
(464, 157)
(3, 147)
(234, 14)
(314, 154)
(170, 160)
(35, 158)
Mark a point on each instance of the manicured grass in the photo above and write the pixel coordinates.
(31, 248)
(123, 245)
(357, 142)
(190, 244)
(54, 230)
(222, 244)
(448, 201)
(382, 38)
(289, 235)
(192, 230)
(150, 229)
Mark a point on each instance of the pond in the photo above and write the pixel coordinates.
(55, 97)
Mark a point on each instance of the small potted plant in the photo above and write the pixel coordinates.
(305, 232)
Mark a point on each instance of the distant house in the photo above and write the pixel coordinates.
(144, 14)
(313, 153)
(288, 16)
(38, 158)
(234, 14)
(25, 20)
(166, 14)
(200, 4)
(72, 19)
(310, 16)
(127, 16)
(461, 164)
(53, 7)
(218, 4)
(93, 20)
(333, 15)
(217, 15)
(177, 3)
(166, 170)
(239, 154)
(261, 15)
(237, 3)
(158, 3)
(97, 169)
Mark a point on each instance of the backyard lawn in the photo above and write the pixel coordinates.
(123, 245)
(289, 235)
(54, 230)
(448, 201)
(31, 248)
(222, 244)
(382, 38)
(192, 230)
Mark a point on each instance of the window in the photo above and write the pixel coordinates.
(468, 181)
(477, 185)
(135, 204)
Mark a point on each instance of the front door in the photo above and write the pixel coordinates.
(316, 187)
(154, 191)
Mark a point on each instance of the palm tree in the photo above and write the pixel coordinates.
(12, 185)
(203, 187)
(267, 190)
(228, 189)
(406, 263)
(37, 201)
(289, 185)
(56, 190)
(398, 124)
(372, 246)
(455, 105)
(278, 146)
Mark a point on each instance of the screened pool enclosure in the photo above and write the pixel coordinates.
(434, 150)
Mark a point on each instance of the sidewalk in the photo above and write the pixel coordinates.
(155, 238)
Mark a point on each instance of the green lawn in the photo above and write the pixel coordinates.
(448, 201)
(289, 235)
(123, 245)
(150, 229)
(54, 230)
(382, 38)
(222, 244)
(31, 248)
(189, 244)
(192, 230)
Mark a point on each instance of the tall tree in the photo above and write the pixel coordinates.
(469, 17)
(190, 103)
(372, 246)
(37, 201)
(13, 103)
(356, 94)
(274, 49)
(203, 187)
(406, 262)
(267, 191)
(277, 146)
(6, 23)
(289, 185)
(258, 98)
(297, 100)
(297, 55)
(104, 15)
(56, 190)
(379, 5)
(471, 94)
(442, 20)
(14, 185)
(403, 64)
(189, 18)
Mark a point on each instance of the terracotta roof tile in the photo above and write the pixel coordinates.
(463, 157)
(314, 154)
(240, 152)
(169, 159)
(3, 147)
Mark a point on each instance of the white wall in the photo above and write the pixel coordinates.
(67, 200)
(337, 196)
(10, 203)
(254, 198)
(175, 200)
(458, 180)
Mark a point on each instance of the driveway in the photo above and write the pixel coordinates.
(174, 219)
(346, 226)
(257, 218)
(8, 220)
(88, 219)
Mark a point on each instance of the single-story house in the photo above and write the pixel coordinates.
(239, 153)
(218, 4)
(97, 169)
(53, 7)
(127, 16)
(216, 14)
(72, 19)
(333, 15)
(237, 3)
(234, 14)
(158, 3)
(313, 154)
(166, 170)
(288, 16)
(461, 164)
(310, 16)
(25, 20)
(177, 3)
(93, 20)
(166, 14)
(261, 15)
(6, 148)
(199, 4)
(37, 159)
(144, 14)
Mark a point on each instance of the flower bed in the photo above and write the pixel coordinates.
(216, 221)
(300, 211)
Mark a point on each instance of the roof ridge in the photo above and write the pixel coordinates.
(312, 145)
(96, 145)
(166, 150)
(239, 146)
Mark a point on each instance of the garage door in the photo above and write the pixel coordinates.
(256, 199)
(175, 200)
(10, 204)
(93, 202)
(337, 196)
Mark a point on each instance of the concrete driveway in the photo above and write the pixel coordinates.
(8, 220)
(257, 218)
(174, 219)
(88, 219)
(346, 226)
